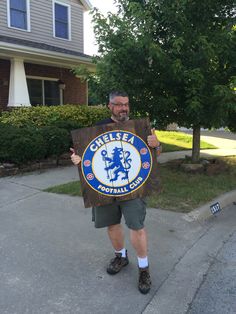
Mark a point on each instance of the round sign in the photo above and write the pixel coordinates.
(116, 163)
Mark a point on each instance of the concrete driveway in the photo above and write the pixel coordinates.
(52, 260)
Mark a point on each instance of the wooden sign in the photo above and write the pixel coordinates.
(116, 162)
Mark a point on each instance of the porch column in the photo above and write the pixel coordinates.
(18, 90)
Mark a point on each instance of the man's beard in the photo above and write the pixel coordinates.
(121, 117)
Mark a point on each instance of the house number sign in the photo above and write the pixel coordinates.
(116, 163)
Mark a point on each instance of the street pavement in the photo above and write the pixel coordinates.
(52, 259)
(217, 293)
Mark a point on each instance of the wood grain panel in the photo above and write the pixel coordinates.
(81, 139)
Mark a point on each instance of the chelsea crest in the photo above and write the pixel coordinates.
(116, 163)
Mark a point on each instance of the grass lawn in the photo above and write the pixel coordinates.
(71, 188)
(181, 191)
(174, 141)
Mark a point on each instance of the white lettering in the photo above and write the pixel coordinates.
(118, 136)
(131, 140)
(136, 183)
(125, 137)
(106, 138)
(99, 142)
(93, 147)
(111, 137)
(112, 190)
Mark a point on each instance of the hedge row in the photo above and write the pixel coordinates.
(20, 145)
(36, 133)
(66, 116)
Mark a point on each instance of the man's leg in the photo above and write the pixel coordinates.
(138, 239)
(134, 212)
(116, 235)
(109, 216)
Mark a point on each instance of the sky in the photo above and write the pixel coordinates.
(89, 41)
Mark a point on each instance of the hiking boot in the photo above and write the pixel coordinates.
(144, 282)
(117, 263)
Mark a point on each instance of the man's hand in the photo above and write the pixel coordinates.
(76, 159)
(152, 140)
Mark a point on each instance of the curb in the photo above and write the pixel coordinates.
(178, 291)
(204, 212)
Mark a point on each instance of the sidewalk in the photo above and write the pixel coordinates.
(53, 259)
(164, 157)
(226, 142)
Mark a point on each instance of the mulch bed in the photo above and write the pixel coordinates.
(10, 169)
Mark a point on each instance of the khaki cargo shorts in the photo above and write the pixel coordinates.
(134, 212)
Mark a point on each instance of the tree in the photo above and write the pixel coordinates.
(175, 58)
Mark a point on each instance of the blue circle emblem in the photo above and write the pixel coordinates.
(116, 163)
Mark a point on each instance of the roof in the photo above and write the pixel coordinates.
(42, 46)
(86, 4)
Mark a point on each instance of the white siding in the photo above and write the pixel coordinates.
(42, 24)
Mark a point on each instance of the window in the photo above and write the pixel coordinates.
(18, 14)
(61, 20)
(43, 92)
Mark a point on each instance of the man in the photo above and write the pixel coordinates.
(134, 211)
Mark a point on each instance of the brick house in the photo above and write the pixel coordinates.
(40, 41)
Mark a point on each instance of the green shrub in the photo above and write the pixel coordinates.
(66, 116)
(66, 124)
(19, 145)
(56, 140)
(35, 133)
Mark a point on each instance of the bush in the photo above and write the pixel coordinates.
(35, 133)
(66, 116)
(56, 140)
(19, 145)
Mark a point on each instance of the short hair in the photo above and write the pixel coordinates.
(116, 93)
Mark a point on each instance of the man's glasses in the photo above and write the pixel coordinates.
(120, 105)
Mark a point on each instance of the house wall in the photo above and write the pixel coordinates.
(41, 21)
(75, 91)
(4, 82)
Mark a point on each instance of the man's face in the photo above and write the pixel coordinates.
(119, 107)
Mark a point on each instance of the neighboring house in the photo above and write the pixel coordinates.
(40, 41)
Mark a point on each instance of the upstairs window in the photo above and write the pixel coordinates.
(61, 20)
(18, 14)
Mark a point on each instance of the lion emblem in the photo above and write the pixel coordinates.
(120, 163)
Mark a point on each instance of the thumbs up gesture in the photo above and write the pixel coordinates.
(152, 139)
(76, 159)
